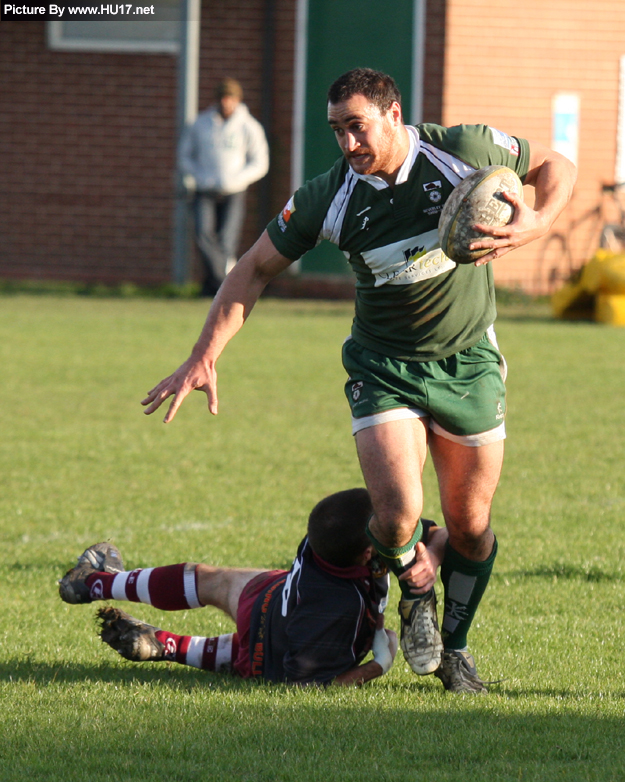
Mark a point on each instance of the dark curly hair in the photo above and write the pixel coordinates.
(377, 87)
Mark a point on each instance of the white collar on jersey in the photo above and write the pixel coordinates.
(402, 174)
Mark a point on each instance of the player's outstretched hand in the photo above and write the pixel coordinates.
(422, 575)
(191, 376)
(524, 227)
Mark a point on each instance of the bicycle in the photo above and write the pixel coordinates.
(613, 234)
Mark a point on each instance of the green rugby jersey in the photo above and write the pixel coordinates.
(412, 301)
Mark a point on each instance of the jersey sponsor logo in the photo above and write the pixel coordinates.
(408, 261)
(507, 142)
(285, 214)
(432, 186)
(412, 253)
(257, 659)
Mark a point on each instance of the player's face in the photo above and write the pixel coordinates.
(367, 138)
(227, 105)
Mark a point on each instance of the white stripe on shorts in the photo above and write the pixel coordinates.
(472, 440)
(397, 414)
(403, 413)
(492, 338)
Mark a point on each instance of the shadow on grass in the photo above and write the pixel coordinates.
(375, 733)
(183, 678)
(172, 675)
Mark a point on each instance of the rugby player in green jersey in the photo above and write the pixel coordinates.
(425, 372)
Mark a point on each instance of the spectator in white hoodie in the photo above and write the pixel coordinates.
(221, 154)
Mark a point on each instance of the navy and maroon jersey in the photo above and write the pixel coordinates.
(315, 622)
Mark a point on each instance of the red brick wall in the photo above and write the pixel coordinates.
(87, 145)
(504, 62)
(233, 41)
(434, 61)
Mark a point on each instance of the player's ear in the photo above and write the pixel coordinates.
(395, 113)
(367, 554)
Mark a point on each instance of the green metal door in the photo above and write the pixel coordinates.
(341, 35)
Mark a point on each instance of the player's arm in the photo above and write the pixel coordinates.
(384, 650)
(422, 575)
(230, 309)
(553, 177)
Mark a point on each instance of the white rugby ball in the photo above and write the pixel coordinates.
(477, 199)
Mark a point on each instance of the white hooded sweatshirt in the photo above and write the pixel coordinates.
(224, 156)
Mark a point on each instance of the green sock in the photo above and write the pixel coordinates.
(400, 559)
(464, 582)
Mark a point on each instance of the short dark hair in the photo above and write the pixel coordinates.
(377, 87)
(337, 524)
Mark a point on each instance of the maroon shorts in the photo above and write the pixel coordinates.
(242, 665)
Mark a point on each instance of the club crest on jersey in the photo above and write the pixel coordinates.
(285, 214)
(433, 189)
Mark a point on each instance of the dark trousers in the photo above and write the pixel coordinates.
(218, 224)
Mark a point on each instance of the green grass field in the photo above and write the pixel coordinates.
(79, 463)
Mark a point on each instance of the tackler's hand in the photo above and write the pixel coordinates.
(193, 375)
(384, 649)
(422, 575)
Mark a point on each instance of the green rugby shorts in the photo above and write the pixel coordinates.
(463, 397)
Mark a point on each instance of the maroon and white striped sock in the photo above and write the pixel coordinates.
(209, 654)
(170, 588)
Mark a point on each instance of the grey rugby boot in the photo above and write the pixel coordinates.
(99, 558)
(420, 639)
(459, 674)
(130, 637)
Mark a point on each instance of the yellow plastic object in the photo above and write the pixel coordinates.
(610, 308)
(597, 292)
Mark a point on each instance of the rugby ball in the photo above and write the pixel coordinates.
(477, 199)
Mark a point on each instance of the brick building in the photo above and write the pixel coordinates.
(87, 137)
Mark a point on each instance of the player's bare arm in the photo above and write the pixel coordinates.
(372, 669)
(553, 177)
(229, 311)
